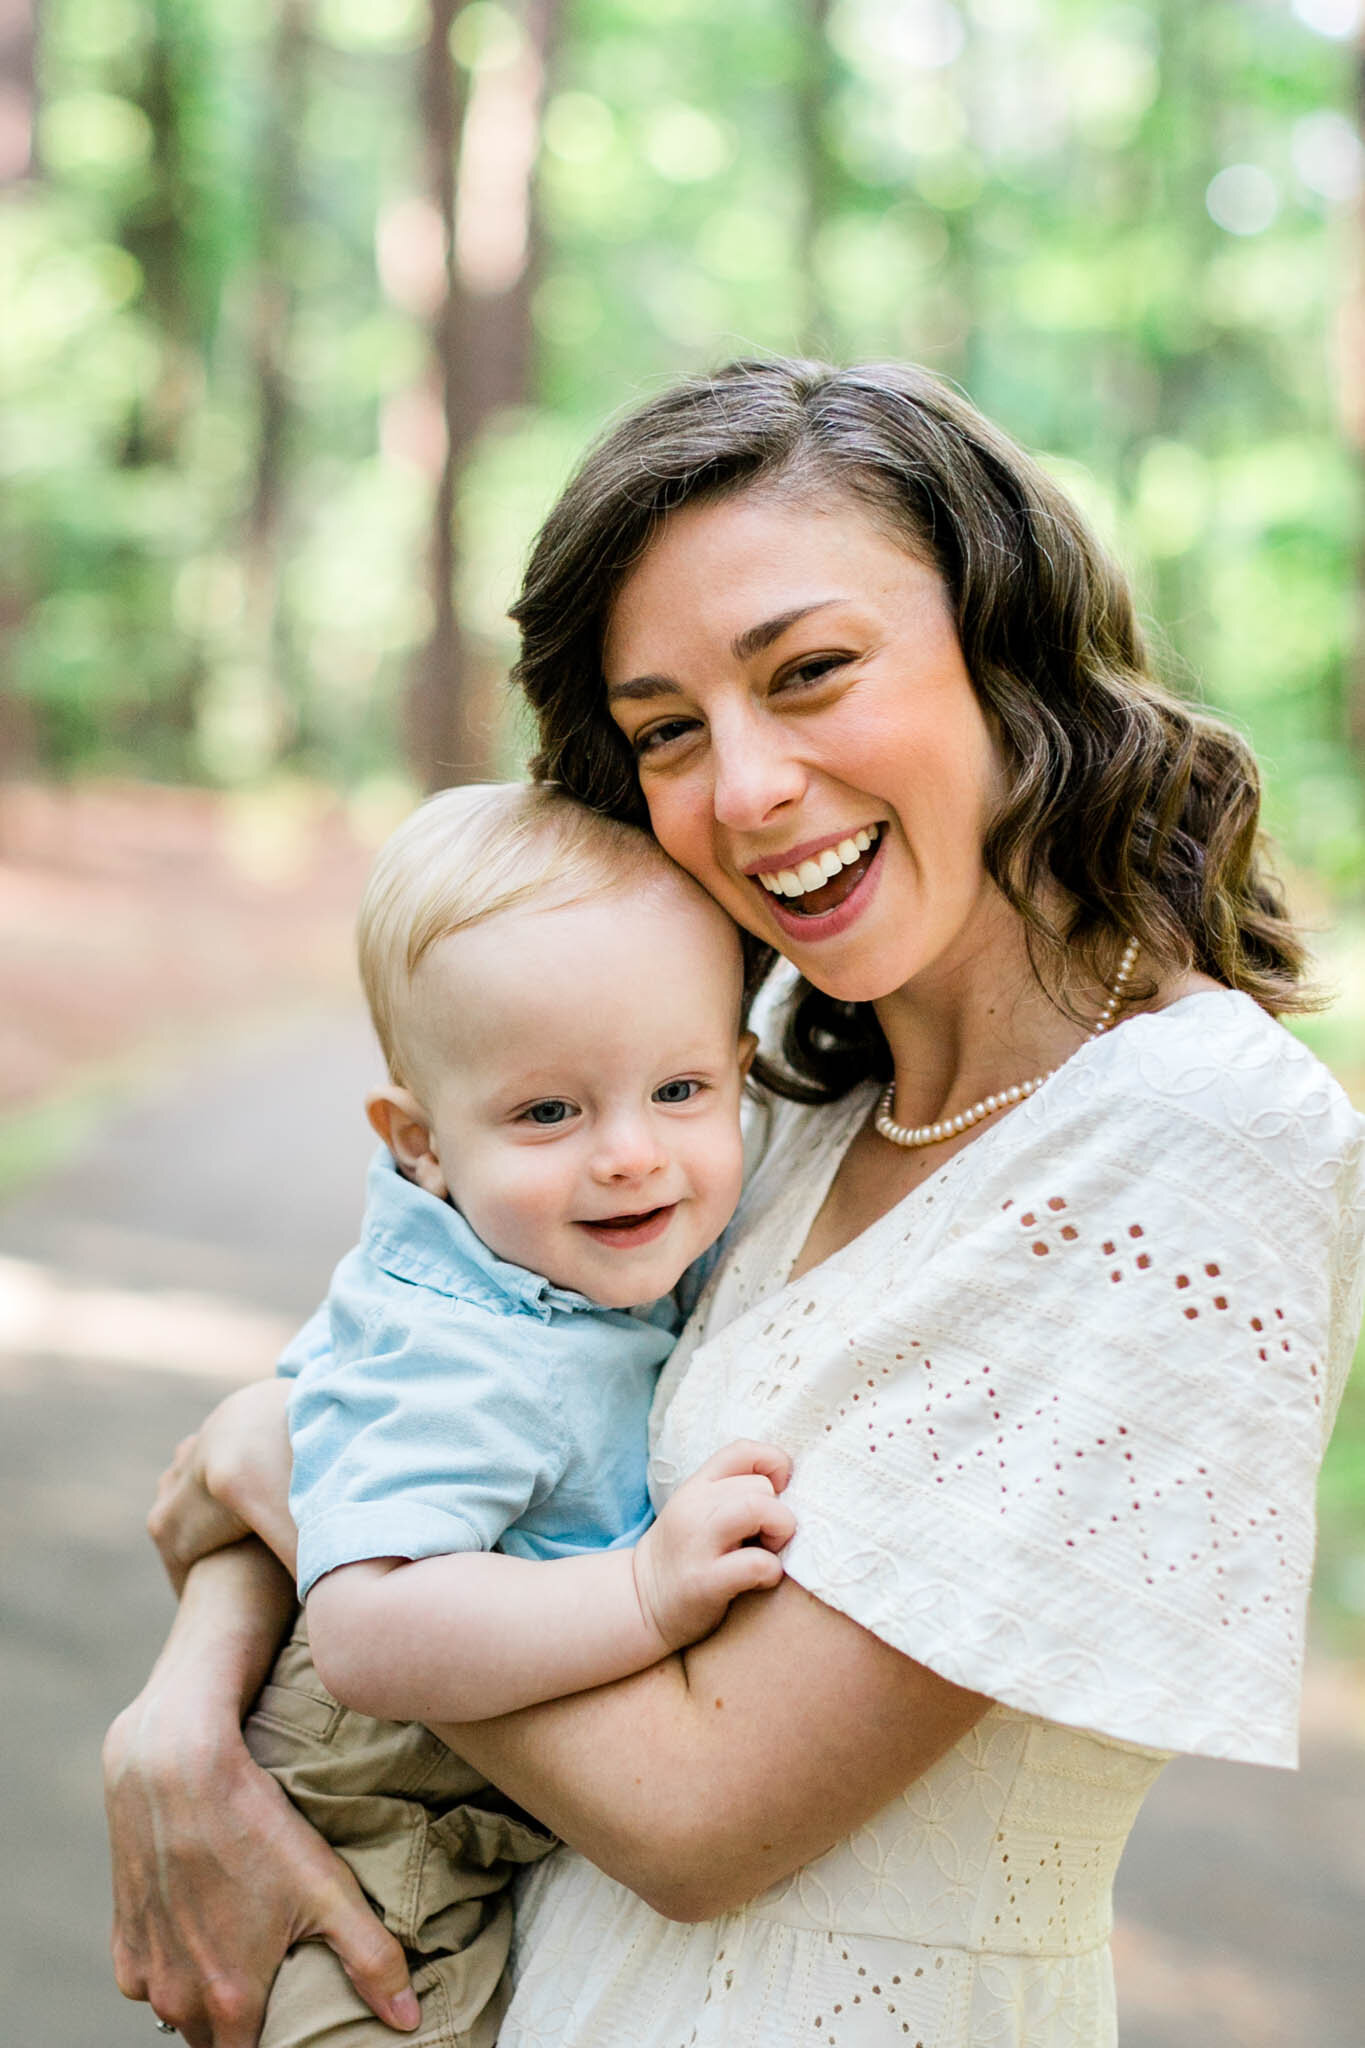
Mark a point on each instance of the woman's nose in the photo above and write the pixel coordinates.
(755, 773)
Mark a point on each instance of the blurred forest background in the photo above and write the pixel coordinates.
(307, 307)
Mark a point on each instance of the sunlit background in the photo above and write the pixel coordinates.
(307, 306)
(284, 282)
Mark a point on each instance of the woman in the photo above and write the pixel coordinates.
(1026, 1295)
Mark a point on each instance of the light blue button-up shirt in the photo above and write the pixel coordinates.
(445, 1400)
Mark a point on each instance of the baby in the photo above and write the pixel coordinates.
(560, 1009)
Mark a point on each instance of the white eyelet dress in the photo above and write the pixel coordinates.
(1056, 1422)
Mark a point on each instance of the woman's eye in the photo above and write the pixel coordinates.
(677, 1091)
(655, 737)
(554, 1110)
(812, 671)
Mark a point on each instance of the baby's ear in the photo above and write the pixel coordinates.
(748, 1046)
(401, 1122)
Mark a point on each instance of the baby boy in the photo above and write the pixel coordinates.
(560, 1009)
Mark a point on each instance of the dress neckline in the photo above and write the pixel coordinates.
(842, 1131)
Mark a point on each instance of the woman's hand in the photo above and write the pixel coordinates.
(215, 1874)
(229, 1480)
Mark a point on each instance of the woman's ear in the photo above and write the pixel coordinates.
(401, 1122)
(748, 1046)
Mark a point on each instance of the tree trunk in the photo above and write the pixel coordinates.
(816, 171)
(1352, 389)
(481, 344)
(18, 102)
(434, 727)
(18, 89)
(498, 245)
(156, 232)
(278, 189)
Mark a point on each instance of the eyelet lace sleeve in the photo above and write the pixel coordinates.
(1057, 1418)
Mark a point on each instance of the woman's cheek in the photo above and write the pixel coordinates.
(663, 818)
(681, 820)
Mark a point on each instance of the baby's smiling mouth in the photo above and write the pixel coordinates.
(638, 1227)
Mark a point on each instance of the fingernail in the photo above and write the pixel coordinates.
(405, 2009)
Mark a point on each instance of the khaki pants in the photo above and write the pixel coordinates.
(432, 1844)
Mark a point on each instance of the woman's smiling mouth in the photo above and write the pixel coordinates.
(819, 883)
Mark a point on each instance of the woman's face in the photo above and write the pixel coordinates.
(808, 739)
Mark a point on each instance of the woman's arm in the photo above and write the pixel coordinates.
(704, 1780)
(479, 1635)
(215, 1874)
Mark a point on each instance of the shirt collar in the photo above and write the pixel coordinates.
(417, 1237)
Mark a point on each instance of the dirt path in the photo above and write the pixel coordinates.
(136, 919)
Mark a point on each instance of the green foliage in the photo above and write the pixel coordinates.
(1119, 226)
(1340, 1579)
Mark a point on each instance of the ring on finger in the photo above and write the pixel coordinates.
(163, 2026)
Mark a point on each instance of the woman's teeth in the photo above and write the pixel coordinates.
(821, 867)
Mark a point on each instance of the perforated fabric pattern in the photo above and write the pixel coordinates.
(1086, 1371)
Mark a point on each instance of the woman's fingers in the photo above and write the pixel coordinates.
(216, 1875)
(371, 1957)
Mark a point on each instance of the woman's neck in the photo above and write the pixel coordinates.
(974, 1025)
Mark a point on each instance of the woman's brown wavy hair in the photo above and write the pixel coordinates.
(1127, 811)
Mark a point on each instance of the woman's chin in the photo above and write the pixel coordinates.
(865, 980)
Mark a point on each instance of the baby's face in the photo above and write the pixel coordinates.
(582, 1070)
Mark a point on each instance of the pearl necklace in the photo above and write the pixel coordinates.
(950, 1126)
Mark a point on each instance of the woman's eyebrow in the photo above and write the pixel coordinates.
(754, 639)
(744, 646)
(642, 687)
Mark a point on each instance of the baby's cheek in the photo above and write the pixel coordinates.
(519, 1211)
(536, 1198)
(727, 1176)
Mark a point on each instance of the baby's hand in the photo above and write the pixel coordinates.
(228, 1481)
(700, 1555)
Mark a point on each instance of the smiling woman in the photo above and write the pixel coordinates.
(864, 530)
(843, 715)
(1046, 1275)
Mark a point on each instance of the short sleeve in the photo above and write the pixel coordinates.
(412, 1436)
(1057, 1420)
(308, 1346)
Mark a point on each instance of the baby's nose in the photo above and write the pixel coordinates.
(629, 1150)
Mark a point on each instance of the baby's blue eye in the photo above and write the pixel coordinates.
(676, 1091)
(552, 1111)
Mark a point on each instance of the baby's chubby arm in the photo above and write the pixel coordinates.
(477, 1634)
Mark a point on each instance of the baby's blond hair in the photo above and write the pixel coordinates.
(473, 853)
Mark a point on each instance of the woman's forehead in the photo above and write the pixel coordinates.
(744, 566)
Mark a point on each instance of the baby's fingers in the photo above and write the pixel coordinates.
(744, 1456)
(749, 1570)
(748, 1511)
(776, 1525)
